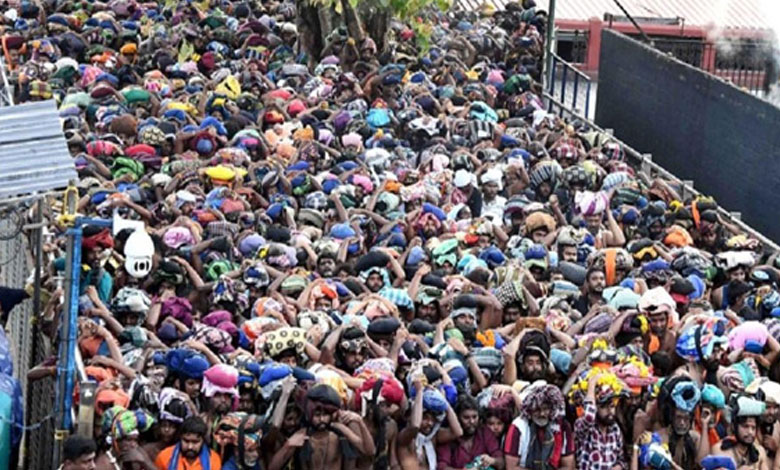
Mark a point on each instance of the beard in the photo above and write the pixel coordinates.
(606, 421)
(541, 422)
(322, 427)
(190, 454)
(681, 431)
(746, 440)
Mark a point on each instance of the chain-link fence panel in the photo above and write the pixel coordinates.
(29, 347)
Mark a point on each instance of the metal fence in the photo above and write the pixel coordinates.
(748, 64)
(644, 163)
(30, 347)
(569, 86)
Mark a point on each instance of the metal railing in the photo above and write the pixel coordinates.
(644, 163)
(6, 94)
(747, 64)
(569, 86)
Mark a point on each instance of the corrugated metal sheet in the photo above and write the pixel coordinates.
(473, 5)
(34, 156)
(728, 14)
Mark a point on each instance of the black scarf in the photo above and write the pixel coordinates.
(539, 450)
(732, 442)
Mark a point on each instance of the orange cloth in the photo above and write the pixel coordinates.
(610, 266)
(164, 457)
(655, 344)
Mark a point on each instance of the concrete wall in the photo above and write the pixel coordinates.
(695, 125)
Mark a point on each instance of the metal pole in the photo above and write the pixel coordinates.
(38, 257)
(550, 40)
(68, 334)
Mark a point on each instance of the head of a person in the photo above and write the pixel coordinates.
(511, 313)
(737, 273)
(593, 221)
(567, 253)
(494, 423)
(467, 410)
(745, 429)
(539, 234)
(606, 409)
(221, 402)
(533, 365)
(490, 190)
(191, 387)
(427, 311)
(681, 421)
(193, 437)
(375, 282)
(428, 422)
(168, 431)
(596, 281)
(326, 265)
(659, 320)
(79, 453)
(772, 410)
(321, 418)
(292, 419)
(352, 348)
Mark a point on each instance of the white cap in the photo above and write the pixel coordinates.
(463, 178)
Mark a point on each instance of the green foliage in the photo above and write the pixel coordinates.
(403, 9)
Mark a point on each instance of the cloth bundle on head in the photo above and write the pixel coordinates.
(588, 203)
(186, 363)
(658, 300)
(378, 389)
(612, 260)
(324, 397)
(696, 343)
(130, 424)
(101, 239)
(280, 340)
(216, 339)
(685, 396)
(168, 396)
(241, 430)
(736, 377)
(750, 336)
(178, 308)
(502, 407)
(539, 220)
(220, 378)
(635, 373)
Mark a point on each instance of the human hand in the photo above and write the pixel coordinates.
(347, 417)
(446, 324)
(297, 439)
(499, 390)
(288, 385)
(92, 293)
(706, 416)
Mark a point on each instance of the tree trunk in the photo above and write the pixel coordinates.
(310, 32)
(376, 20)
(352, 21)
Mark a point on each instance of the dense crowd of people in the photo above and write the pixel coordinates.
(381, 258)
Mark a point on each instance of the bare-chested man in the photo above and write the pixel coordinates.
(416, 444)
(327, 443)
(742, 447)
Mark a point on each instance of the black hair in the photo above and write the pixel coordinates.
(77, 446)
(194, 425)
(662, 363)
(465, 403)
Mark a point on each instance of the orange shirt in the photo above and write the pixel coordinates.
(164, 458)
